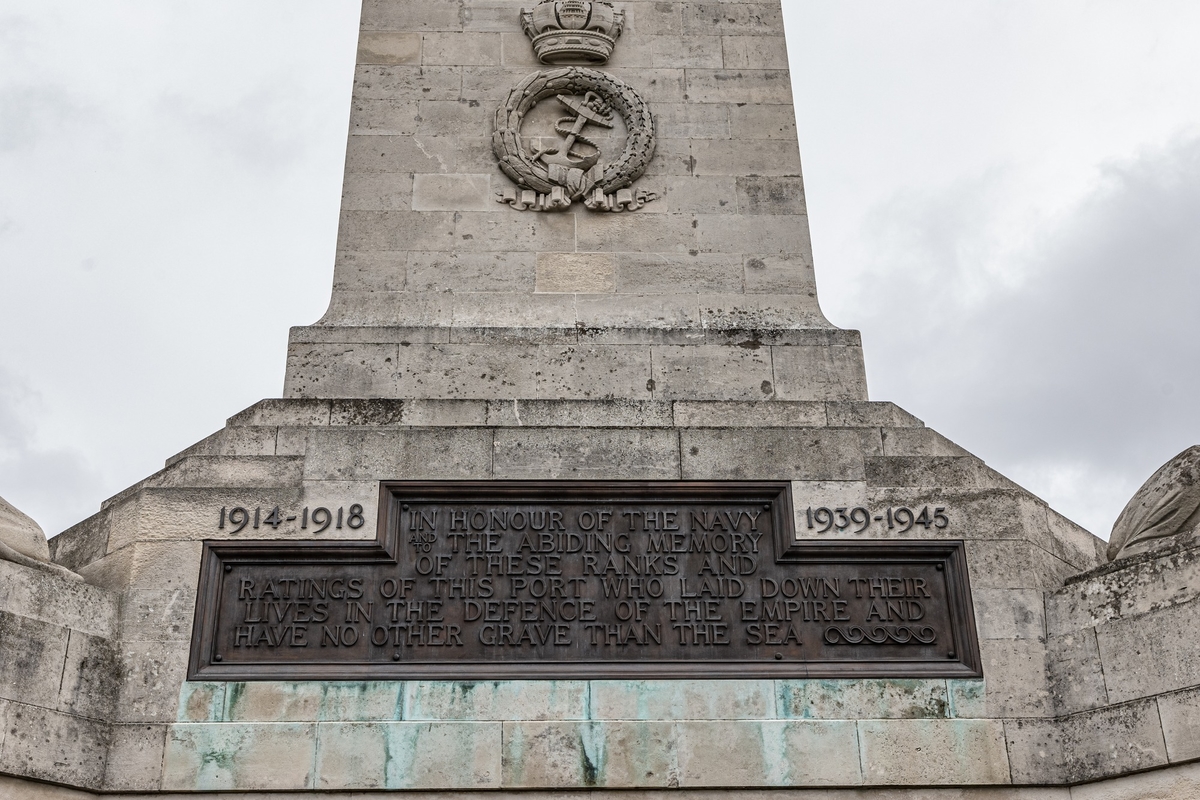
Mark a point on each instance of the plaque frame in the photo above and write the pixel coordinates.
(220, 556)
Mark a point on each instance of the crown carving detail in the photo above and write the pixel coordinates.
(565, 31)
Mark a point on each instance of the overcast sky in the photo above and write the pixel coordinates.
(1004, 198)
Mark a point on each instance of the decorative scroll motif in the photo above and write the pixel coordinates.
(880, 634)
(1164, 511)
(575, 169)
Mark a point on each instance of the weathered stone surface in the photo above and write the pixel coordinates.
(1180, 716)
(51, 746)
(586, 454)
(247, 757)
(649, 700)
(938, 752)
(19, 532)
(1148, 654)
(495, 701)
(135, 758)
(404, 755)
(863, 699)
(32, 654)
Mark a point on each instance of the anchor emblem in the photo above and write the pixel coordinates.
(592, 109)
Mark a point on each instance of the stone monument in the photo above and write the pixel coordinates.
(574, 489)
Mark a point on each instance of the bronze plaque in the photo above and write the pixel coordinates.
(495, 580)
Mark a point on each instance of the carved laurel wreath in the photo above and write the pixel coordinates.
(516, 162)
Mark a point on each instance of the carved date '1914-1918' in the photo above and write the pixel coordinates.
(583, 579)
(235, 520)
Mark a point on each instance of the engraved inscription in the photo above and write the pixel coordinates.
(582, 579)
(900, 519)
(317, 520)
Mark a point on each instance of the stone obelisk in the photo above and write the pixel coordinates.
(574, 247)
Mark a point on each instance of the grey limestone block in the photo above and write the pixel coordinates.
(585, 454)
(754, 52)
(223, 757)
(1076, 673)
(416, 454)
(724, 18)
(407, 755)
(32, 654)
(52, 746)
(134, 760)
(1148, 654)
(496, 701)
(775, 454)
(764, 86)
(37, 595)
(933, 751)
(390, 48)
(90, 677)
(864, 699)
(615, 413)
(1180, 716)
(557, 754)
(679, 700)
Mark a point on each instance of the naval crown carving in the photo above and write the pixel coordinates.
(564, 31)
(583, 161)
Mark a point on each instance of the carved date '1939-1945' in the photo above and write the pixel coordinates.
(900, 519)
(582, 579)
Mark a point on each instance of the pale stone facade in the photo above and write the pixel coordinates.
(683, 341)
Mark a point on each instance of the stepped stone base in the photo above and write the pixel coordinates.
(1072, 650)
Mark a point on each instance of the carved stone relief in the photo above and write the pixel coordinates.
(1165, 510)
(574, 166)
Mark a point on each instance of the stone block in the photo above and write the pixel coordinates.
(32, 654)
(406, 755)
(468, 371)
(754, 52)
(594, 372)
(274, 412)
(1076, 674)
(80, 544)
(436, 192)
(375, 271)
(734, 414)
(396, 82)
(201, 702)
(764, 86)
(158, 614)
(38, 595)
(933, 752)
(586, 454)
(863, 699)
(460, 49)
(712, 373)
(1179, 783)
(627, 311)
(587, 273)
(389, 48)
(696, 51)
(819, 373)
(436, 117)
(1151, 653)
(495, 700)
(326, 370)
(735, 753)
(150, 676)
(691, 121)
(1017, 684)
(779, 274)
(391, 231)
(90, 677)
(919, 442)
(135, 758)
(418, 454)
(1010, 613)
(273, 701)
(445, 413)
(728, 19)
(371, 413)
(929, 471)
(415, 15)
(47, 745)
(757, 121)
(1125, 590)
(614, 413)
(645, 233)
(653, 17)
(1180, 716)
(572, 754)
(476, 272)
(504, 310)
(967, 697)
(776, 454)
(397, 154)
(690, 194)
(1035, 751)
(375, 116)
(208, 757)
(1113, 741)
(703, 272)
(679, 700)
(850, 414)
(767, 157)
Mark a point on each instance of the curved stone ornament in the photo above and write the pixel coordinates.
(1166, 507)
(545, 185)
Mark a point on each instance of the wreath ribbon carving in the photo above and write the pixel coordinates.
(549, 186)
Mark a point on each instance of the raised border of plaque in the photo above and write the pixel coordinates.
(627, 580)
